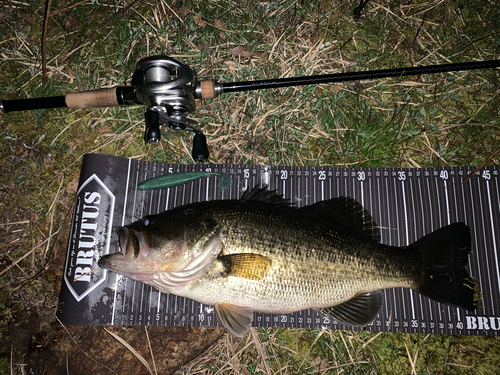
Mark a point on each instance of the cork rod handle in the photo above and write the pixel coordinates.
(92, 99)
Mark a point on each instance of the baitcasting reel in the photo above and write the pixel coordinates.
(168, 87)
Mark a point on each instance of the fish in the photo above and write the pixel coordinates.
(261, 254)
(176, 179)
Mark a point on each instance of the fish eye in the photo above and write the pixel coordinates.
(146, 221)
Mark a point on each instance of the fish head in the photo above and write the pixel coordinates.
(165, 243)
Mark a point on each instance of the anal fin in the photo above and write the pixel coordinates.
(236, 320)
(358, 311)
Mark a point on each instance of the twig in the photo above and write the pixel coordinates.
(14, 223)
(44, 40)
(260, 351)
(68, 8)
(488, 159)
(34, 277)
(413, 360)
(53, 209)
(29, 252)
(132, 350)
(87, 273)
(151, 350)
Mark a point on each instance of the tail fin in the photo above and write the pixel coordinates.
(444, 255)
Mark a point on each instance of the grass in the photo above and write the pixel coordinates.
(292, 351)
(431, 120)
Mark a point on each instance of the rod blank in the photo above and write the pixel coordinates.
(354, 76)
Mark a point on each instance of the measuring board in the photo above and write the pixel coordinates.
(406, 203)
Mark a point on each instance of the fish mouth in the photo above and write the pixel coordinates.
(133, 243)
(134, 248)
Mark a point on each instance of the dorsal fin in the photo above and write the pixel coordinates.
(263, 195)
(349, 214)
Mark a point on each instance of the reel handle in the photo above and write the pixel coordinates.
(200, 149)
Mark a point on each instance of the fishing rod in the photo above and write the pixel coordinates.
(169, 88)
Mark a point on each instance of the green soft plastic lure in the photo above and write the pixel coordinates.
(175, 179)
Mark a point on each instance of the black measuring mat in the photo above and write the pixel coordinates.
(406, 203)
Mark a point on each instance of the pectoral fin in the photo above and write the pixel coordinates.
(247, 266)
(358, 311)
(236, 320)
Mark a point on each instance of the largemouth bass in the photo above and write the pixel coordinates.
(259, 254)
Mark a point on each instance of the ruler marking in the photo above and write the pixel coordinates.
(126, 192)
(379, 212)
(207, 198)
(493, 235)
(150, 196)
(315, 199)
(142, 298)
(125, 294)
(431, 216)
(167, 199)
(452, 190)
(299, 199)
(362, 194)
(159, 201)
(133, 297)
(475, 223)
(135, 196)
(169, 316)
(150, 297)
(331, 187)
(405, 213)
(370, 190)
(413, 239)
(443, 176)
(119, 277)
(486, 256)
(462, 190)
(306, 182)
(432, 225)
(419, 180)
(447, 202)
(401, 291)
(393, 291)
(150, 211)
(438, 203)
